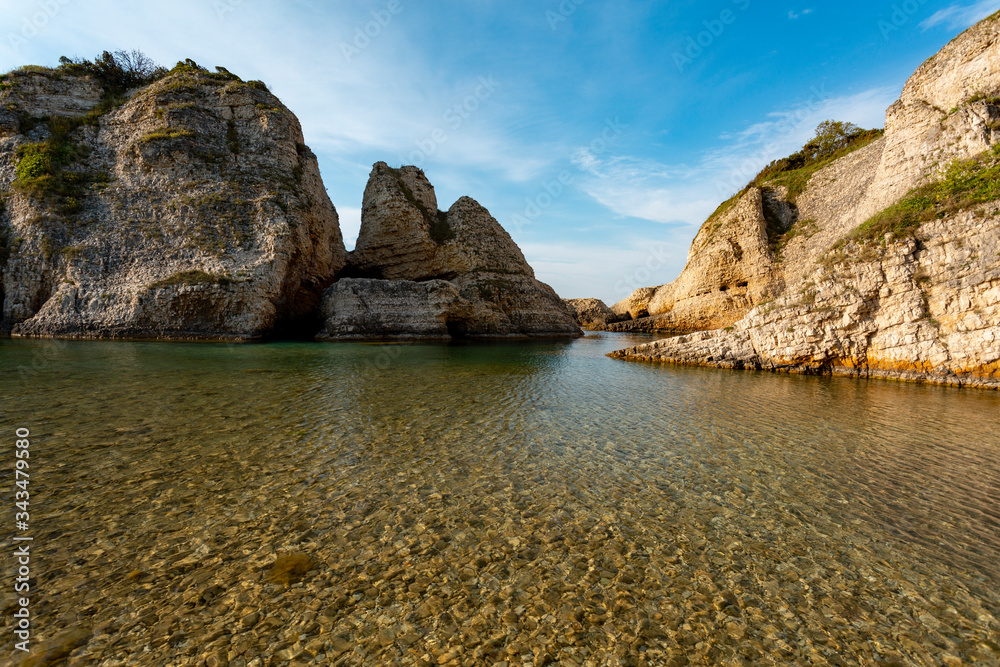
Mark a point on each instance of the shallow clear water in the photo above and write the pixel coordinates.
(476, 504)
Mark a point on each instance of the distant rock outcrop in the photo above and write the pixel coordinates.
(192, 210)
(591, 313)
(404, 237)
(889, 267)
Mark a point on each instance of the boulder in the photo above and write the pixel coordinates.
(591, 313)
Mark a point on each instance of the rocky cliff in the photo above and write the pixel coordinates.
(886, 263)
(189, 207)
(404, 238)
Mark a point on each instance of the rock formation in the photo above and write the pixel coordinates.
(591, 313)
(361, 308)
(404, 237)
(192, 209)
(855, 287)
(729, 269)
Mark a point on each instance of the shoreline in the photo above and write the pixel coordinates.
(945, 380)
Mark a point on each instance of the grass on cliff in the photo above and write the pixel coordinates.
(829, 145)
(167, 134)
(44, 172)
(964, 185)
(833, 140)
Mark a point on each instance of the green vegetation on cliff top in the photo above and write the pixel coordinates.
(964, 185)
(833, 140)
(49, 170)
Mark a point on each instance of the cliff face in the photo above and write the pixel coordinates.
(730, 268)
(918, 310)
(404, 237)
(946, 111)
(852, 288)
(362, 308)
(194, 209)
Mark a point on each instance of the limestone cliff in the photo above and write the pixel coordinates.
(189, 208)
(404, 237)
(886, 264)
(730, 268)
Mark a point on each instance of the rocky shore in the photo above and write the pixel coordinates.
(884, 264)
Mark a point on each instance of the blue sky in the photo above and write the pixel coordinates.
(601, 134)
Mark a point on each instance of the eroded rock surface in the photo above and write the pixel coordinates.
(917, 310)
(591, 313)
(922, 307)
(197, 211)
(362, 308)
(404, 237)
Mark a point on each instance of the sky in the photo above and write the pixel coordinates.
(601, 134)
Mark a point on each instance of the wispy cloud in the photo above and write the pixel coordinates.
(786, 131)
(960, 16)
(385, 101)
(792, 14)
(681, 193)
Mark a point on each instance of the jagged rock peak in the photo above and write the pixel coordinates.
(404, 237)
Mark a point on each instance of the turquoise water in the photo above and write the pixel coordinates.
(518, 502)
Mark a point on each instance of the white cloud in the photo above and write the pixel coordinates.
(794, 15)
(384, 100)
(959, 17)
(681, 193)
